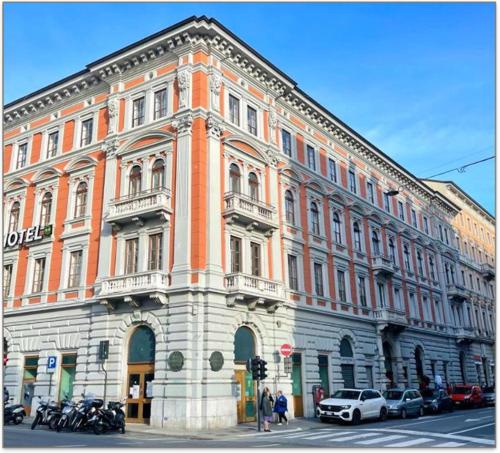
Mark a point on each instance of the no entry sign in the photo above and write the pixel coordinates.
(286, 350)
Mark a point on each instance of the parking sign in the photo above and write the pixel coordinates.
(51, 364)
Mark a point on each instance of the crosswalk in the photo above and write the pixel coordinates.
(371, 438)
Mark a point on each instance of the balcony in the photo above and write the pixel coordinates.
(247, 211)
(391, 319)
(488, 271)
(383, 266)
(254, 290)
(464, 335)
(135, 288)
(138, 207)
(456, 292)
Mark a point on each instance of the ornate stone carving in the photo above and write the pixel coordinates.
(272, 157)
(110, 147)
(184, 82)
(183, 123)
(215, 128)
(112, 115)
(215, 84)
(273, 124)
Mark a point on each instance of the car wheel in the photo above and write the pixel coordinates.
(421, 412)
(404, 414)
(383, 414)
(322, 419)
(356, 417)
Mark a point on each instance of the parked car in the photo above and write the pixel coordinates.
(436, 401)
(467, 396)
(404, 403)
(489, 395)
(353, 405)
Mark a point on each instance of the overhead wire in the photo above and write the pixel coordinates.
(462, 168)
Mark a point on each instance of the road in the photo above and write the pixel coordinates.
(463, 428)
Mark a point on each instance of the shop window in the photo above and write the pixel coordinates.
(68, 371)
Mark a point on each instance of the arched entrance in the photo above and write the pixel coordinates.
(419, 366)
(141, 368)
(389, 370)
(244, 349)
(463, 374)
(347, 363)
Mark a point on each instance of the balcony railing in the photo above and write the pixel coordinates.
(383, 265)
(488, 271)
(464, 334)
(391, 317)
(246, 210)
(254, 285)
(456, 292)
(147, 203)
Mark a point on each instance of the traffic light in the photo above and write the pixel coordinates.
(256, 368)
(262, 369)
(288, 365)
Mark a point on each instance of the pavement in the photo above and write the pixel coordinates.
(462, 428)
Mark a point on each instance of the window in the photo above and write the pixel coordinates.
(401, 211)
(414, 218)
(234, 178)
(332, 170)
(406, 254)
(235, 245)
(315, 218)
(337, 233)
(431, 268)
(441, 233)
(81, 199)
(341, 286)
(138, 112)
(289, 207)
(425, 305)
(311, 158)
(387, 203)
(252, 120)
(155, 252)
(255, 255)
(15, 212)
(392, 251)
(22, 155)
(397, 299)
(46, 209)
(68, 371)
(419, 264)
(375, 244)
(158, 175)
(318, 279)
(234, 110)
(381, 294)
(75, 269)
(253, 184)
(286, 142)
(426, 225)
(7, 278)
(413, 306)
(323, 373)
(369, 191)
(447, 273)
(437, 311)
(357, 237)
(135, 180)
(86, 135)
(362, 291)
(160, 104)
(38, 275)
(292, 273)
(446, 239)
(52, 142)
(352, 181)
(131, 246)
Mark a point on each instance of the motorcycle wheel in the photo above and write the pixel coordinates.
(99, 428)
(36, 421)
(76, 425)
(122, 428)
(53, 423)
(60, 424)
(19, 419)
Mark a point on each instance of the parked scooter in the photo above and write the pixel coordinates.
(44, 412)
(67, 414)
(110, 419)
(85, 412)
(12, 412)
(56, 414)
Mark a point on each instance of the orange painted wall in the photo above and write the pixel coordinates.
(69, 130)
(35, 148)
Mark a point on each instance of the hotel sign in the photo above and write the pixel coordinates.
(31, 234)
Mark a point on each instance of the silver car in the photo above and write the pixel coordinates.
(404, 403)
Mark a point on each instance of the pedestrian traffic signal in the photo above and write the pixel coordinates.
(288, 365)
(262, 369)
(256, 368)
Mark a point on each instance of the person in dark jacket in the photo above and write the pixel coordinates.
(280, 407)
(266, 406)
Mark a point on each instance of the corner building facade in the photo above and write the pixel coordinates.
(204, 210)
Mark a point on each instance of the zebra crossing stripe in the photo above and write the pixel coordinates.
(322, 436)
(410, 443)
(450, 444)
(379, 440)
(356, 436)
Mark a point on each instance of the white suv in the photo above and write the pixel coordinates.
(353, 405)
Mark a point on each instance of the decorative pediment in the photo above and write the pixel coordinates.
(46, 173)
(316, 185)
(15, 184)
(80, 162)
(145, 140)
(248, 146)
(289, 172)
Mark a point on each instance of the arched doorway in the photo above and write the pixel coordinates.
(347, 365)
(389, 370)
(244, 349)
(419, 366)
(463, 374)
(141, 368)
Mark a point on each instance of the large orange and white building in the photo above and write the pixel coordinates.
(184, 200)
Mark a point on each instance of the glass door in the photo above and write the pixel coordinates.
(140, 378)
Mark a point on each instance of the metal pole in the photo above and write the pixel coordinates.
(105, 383)
(258, 405)
(50, 384)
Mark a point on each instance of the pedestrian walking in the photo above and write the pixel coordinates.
(266, 407)
(281, 407)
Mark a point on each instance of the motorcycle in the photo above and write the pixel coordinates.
(110, 419)
(44, 412)
(56, 414)
(13, 413)
(85, 412)
(67, 414)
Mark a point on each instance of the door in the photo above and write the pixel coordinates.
(140, 378)
(29, 379)
(246, 403)
(297, 385)
(348, 376)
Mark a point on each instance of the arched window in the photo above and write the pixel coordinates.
(392, 251)
(357, 236)
(431, 267)
(346, 348)
(134, 186)
(289, 207)
(81, 199)
(447, 273)
(375, 243)
(406, 254)
(244, 345)
(15, 211)
(46, 209)
(142, 346)
(158, 175)
(253, 184)
(234, 178)
(347, 365)
(314, 218)
(336, 228)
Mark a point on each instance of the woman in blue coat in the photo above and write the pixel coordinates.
(280, 407)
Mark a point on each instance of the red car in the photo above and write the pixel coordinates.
(467, 396)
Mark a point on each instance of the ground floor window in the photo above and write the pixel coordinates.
(348, 376)
(68, 371)
(29, 379)
(369, 376)
(323, 373)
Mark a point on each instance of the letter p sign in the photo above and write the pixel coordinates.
(51, 364)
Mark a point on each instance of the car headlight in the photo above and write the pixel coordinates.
(346, 407)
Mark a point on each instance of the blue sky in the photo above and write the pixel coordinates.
(417, 80)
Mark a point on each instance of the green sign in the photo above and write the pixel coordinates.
(176, 361)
